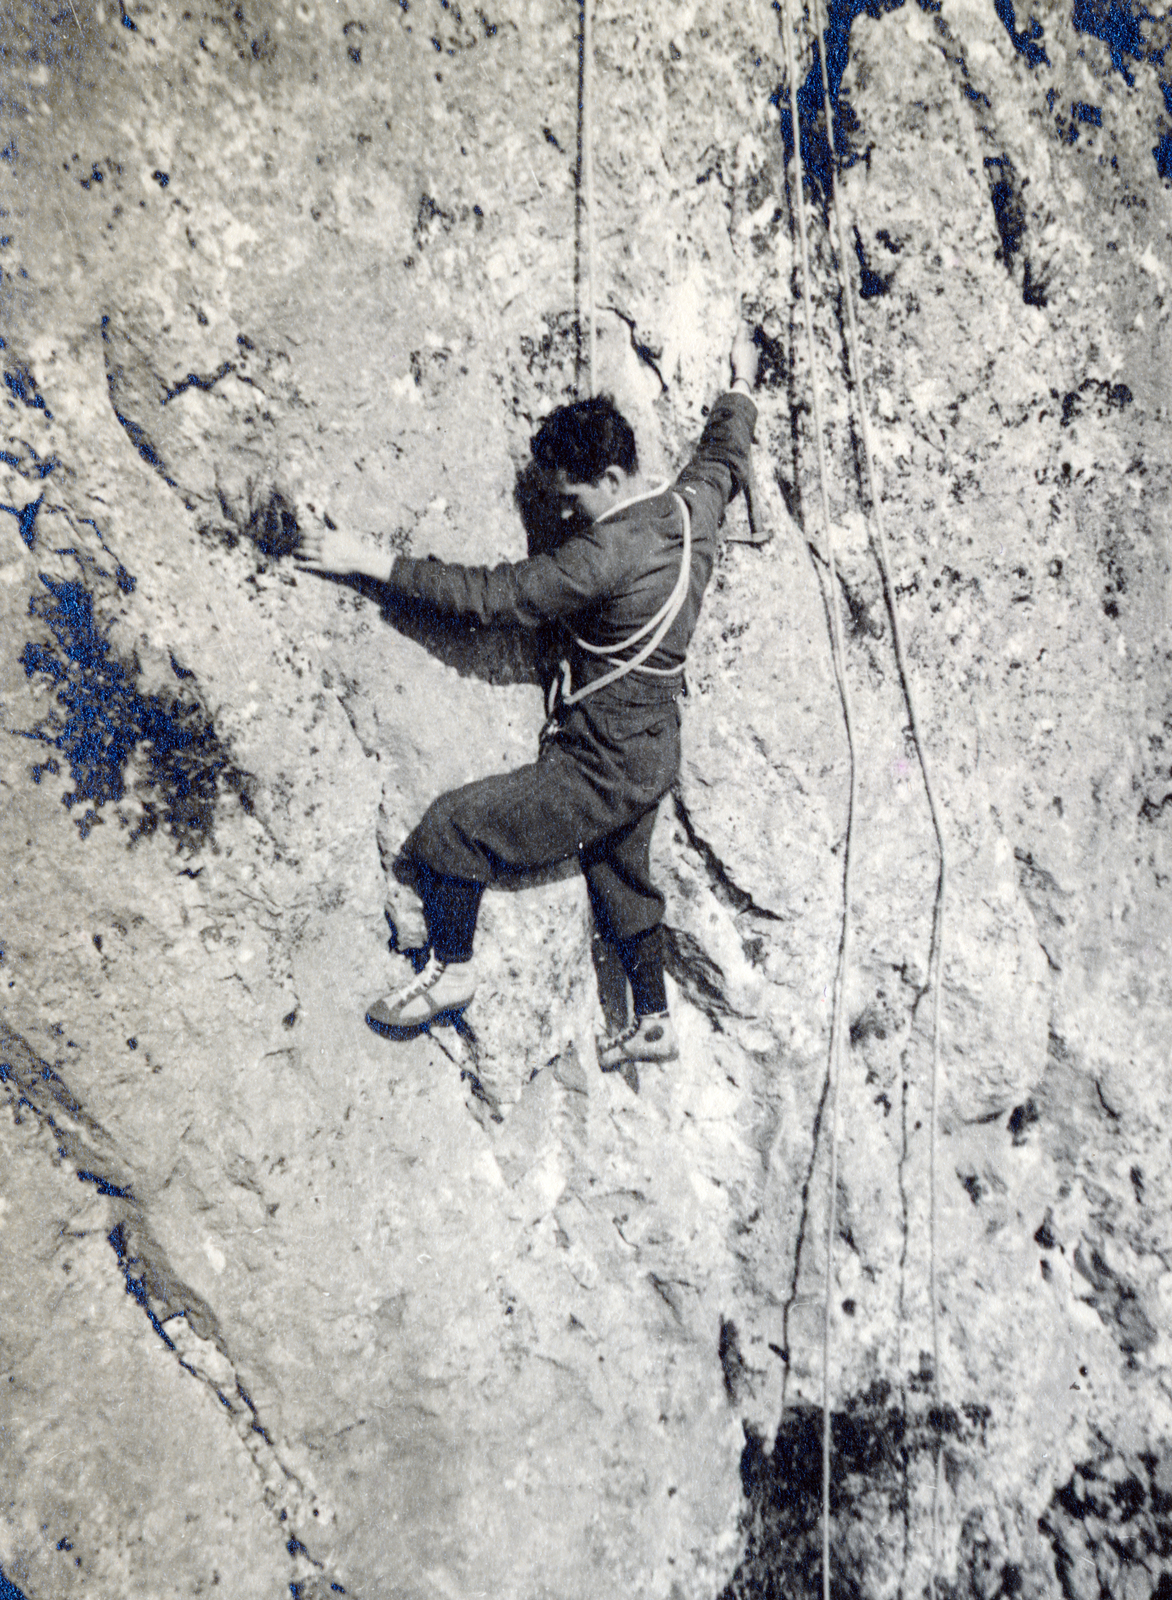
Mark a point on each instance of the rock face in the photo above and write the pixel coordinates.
(287, 1305)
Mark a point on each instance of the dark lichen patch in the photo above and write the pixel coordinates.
(1117, 1302)
(23, 386)
(267, 522)
(774, 368)
(272, 526)
(874, 1445)
(102, 726)
(1105, 397)
(551, 359)
(1110, 1524)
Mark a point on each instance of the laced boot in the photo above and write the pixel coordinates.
(438, 993)
(648, 1038)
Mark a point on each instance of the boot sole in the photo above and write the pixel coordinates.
(411, 1030)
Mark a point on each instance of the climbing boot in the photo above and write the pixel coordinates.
(650, 1038)
(438, 993)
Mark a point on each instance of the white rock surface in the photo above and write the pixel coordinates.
(287, 1304)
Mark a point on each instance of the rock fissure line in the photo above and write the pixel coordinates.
(156, 1288)
(366, 749)
(126, 581)
(194, 380)
(644, 351)
(799, 1242)
(723, 884)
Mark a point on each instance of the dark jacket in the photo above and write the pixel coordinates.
(606, 582)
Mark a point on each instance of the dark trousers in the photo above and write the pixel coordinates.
(593, 792)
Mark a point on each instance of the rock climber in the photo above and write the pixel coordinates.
(628, 581)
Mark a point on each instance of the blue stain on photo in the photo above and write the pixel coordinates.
(23, 385)
(1025, 41)
(1163, 155)
(1117, 27)
(841, 16)
(26, 516)
(101, 719)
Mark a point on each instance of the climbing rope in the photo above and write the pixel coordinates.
(586, 110)
(936, 956)
(936, 952)
(839, 655)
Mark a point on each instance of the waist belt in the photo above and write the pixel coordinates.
(657, 628)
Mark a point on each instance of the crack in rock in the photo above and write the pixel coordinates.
(183, 1320)
(726, 890)
(645, 353)
(792, 1297)
(195, 380)
(701, 979)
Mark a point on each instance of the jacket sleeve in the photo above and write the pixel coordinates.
(526, 593)
(720, 464)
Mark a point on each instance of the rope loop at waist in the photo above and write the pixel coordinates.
(657, 627)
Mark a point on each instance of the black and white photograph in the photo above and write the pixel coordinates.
(586, 730)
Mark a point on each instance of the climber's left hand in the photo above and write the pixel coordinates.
(330, 549)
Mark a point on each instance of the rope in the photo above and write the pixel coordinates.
(835, 607)
(588, 179)
(937, 943)
(661, 623)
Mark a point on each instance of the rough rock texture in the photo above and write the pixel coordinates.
(288, 1305)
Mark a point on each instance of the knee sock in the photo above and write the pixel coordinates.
(642, 958)
(450, 908)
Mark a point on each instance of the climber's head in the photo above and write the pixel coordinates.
(588, 452)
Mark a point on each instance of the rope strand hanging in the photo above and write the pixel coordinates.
(936, 953)
(936, 956)
(838, 652)
(586, 113)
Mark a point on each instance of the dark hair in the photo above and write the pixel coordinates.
(585, 438)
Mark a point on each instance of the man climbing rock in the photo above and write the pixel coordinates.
(628, 581)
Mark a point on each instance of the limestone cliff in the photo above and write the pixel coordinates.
(288, 1305)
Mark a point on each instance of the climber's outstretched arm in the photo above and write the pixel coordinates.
(526, 593)
(720, 464)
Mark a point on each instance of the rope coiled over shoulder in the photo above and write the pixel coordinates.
(652, 632)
